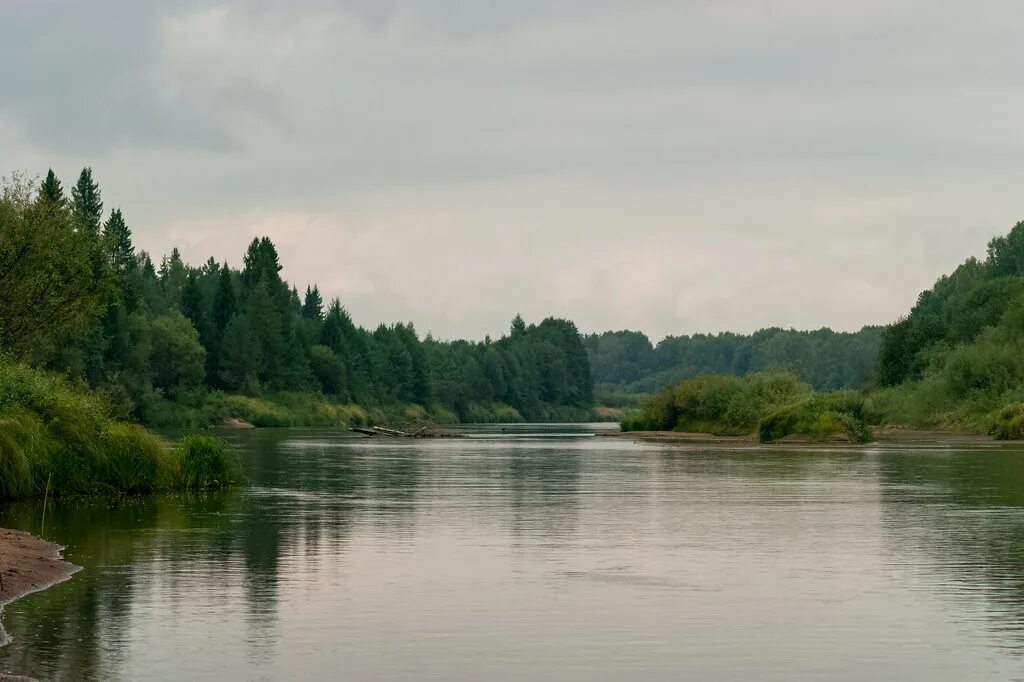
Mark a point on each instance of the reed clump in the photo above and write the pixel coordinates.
(58, 437)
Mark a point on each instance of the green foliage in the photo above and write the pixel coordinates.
(160, 343)
(957, 310)
(177, 359)
(329, 370)
(51, 190)
(121, 259)
(720, 405)
(493, 413)
(820, 416)
(957, 360)
(172, 276)
(241, 361)
(296, 409)
(62, 439)
(207, 462)
(86, 204)
(136, 460)
(625, 363)
(49, 287)
(313, 307)
(23, 441)
(1009, 423)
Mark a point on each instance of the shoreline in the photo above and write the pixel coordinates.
(883, 436)
(27, 565)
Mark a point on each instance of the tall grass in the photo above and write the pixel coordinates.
(294, 409)
(207, 462)
(772, 404)
(820, 416)
(720, 405)
(54, 434)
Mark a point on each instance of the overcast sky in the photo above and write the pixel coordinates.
(672, 167)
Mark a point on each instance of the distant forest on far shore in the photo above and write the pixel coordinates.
(624, 363)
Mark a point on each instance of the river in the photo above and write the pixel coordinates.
(543, 553)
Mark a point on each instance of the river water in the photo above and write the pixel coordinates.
(543, 553)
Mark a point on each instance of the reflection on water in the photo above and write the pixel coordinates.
(540, 552)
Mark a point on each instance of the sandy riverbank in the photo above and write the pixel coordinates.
(28, 564)
(884, 436)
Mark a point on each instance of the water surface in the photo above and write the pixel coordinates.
(543, 553)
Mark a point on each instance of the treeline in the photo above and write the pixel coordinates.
(625, 361)
(957, 359)
(956, 311)
(165, 341)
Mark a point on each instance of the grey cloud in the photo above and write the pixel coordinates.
(654, 163)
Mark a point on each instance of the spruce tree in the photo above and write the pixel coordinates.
(265, 321)
(192, 302)
(172, 278)
(149, 286)
(121, 259)
(313, 307)
(518, 326)
(51, 191)
(118, 239)
(261, 264)
(86, 204)
(241, 357)
(225, 302)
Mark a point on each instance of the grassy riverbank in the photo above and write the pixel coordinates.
(203, 408)
(62, 440)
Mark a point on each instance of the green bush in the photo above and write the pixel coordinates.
(23, 443)
(135, 460)
(58, 438)
(1009, 423)
(819, 417)
(721, 405)
(207, 462)
(492, 413)
(295, 409)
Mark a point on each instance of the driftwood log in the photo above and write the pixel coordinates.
(427, 431)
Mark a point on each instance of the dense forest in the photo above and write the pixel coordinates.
(955, 361)
(169, 343)
(958, 357)
(625, 362)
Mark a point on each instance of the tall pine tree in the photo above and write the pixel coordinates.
(86, 204)
(172, 278)
(313, 306)
(225, 302)
(51, 190)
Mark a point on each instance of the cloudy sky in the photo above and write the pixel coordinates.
(672, 167)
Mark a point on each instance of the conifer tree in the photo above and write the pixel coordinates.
(192, 302)
(118, 240)
(86, 204)
(265, 321)
(122, 262)
(225, 302)
(261, 263)
(313, 306)
(172, 278)
(518, 326)
(242, 359)
(51, 190)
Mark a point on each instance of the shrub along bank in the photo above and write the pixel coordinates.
(771, 404)
(59, 439)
